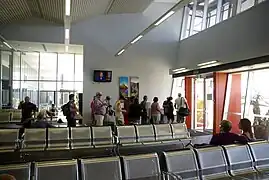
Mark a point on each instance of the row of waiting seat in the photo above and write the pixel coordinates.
(228, 162)
(90, 137)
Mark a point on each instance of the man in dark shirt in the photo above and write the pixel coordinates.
(144, 114)
(225, 137)
(28, 109)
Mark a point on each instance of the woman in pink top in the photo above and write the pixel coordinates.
(155, 111)
(92, 109)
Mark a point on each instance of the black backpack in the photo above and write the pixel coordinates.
(66, 109)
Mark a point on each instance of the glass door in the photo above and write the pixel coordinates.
(199, 103)
(209, 104)
(204, 104)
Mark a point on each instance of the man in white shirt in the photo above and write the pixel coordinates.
(180, 103)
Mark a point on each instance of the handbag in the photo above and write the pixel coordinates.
(184, 111)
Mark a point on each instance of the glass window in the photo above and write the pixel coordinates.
(226, 11)
(47, 94)
(16, 94)
(66, 67)
(198, 19)
(79, 87)
(47, 86)
(78, 67)
(48, 66)
(16, 66)
(65, 86)
(257, 98)
(5, 58)
(186, 25)
(212, 13)
(63, 97)
(178, 87)
(29, 66)
(30, 88)
(246, 4)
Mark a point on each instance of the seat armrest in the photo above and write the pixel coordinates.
(116, 139)
(170, 174)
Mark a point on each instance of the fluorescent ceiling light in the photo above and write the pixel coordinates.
(207, 63)
(66, 48)
(136, 39)
(191, 3)
(121, 51)
(67, 7)
(170, 13)
(180, 69)
(202, 4)
(67, 31)
(5, 43)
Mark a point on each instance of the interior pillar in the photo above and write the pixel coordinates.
(188, 96)
(220, 85)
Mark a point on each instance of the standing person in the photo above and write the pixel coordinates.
(126, 104)
(92, 109)
(144, 112)
(70, 110)
(28, 110)
(99, 109)
(109, 117)
(170, 110)
(165, 110)
(134, 112)
(119, 112)
(155, 111)
(181, 106)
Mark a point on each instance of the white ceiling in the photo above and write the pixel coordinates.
(46, 47)
(54, 10)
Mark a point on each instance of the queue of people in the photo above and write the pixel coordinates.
(130, 111)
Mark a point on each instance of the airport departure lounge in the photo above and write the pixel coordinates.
(134, 89)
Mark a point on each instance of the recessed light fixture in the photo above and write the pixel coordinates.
(66, 48)
(180, 69)
(5, 43)
(136, 39)
(170, 13)
(120, 52)
(67, 7)
(207, 63)
(67, 31)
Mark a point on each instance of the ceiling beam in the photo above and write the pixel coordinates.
(109, 6)
(40, 9)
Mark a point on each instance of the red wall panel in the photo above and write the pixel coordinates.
(188, 96)
(235, 102)
(220, 84)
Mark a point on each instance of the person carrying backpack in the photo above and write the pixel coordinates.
(70, 110)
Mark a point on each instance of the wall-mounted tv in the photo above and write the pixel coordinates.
(102, 76)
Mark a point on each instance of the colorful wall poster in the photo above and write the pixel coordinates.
(123, 86)
(134, 87)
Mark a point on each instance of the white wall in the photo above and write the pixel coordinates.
(150, 59)
(241, 37)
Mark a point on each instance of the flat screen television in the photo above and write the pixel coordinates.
(102, 76)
